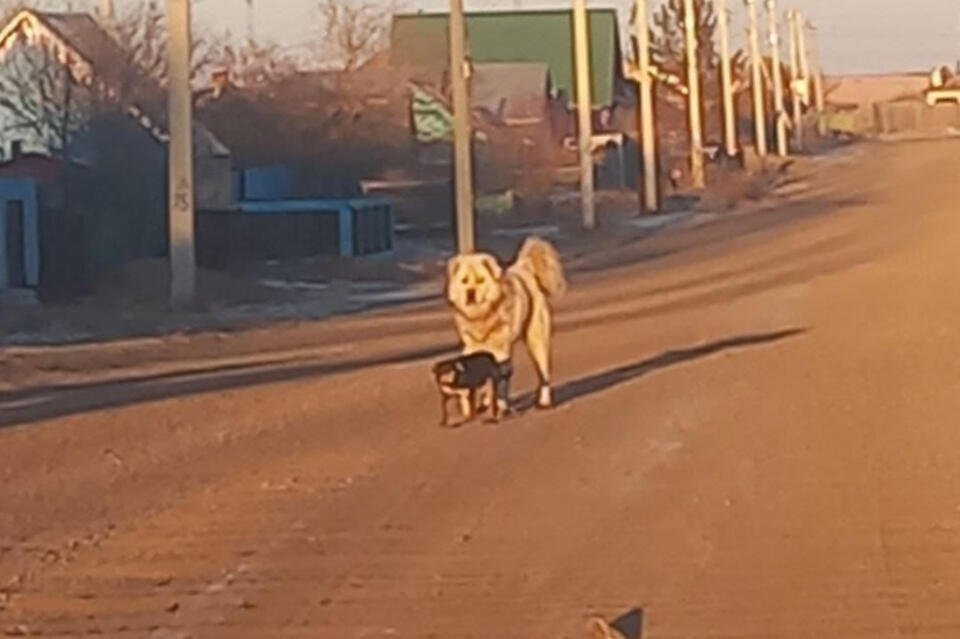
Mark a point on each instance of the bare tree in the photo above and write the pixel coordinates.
(253, 63)
(40, 99)
(353, 31)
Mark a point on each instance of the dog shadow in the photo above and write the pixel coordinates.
(590, 385)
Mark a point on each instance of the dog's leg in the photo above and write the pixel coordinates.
(538, 345)
(501, 393)
(494, 399)
(466, 405)
(444, 413)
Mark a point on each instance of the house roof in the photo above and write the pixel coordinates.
(75, 38)
(92, 54)
(518, 36)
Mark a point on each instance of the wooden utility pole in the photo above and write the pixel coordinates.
(795, 81)
(802, 56)
(462, 143)
(180, 157)
(651, 196)
(818, 96)
(697, 176)
(756, 80)
(780, 113)
(581, 42)
(726, 79)
(803, 82)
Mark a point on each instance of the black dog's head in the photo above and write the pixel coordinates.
(445, 373)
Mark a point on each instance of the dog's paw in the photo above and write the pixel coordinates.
(545, 398)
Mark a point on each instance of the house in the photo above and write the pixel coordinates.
(19, 234)
(864, 90)
(96, 61)
(107, 205)
(541, 36)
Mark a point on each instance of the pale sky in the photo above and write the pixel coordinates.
(855, 35)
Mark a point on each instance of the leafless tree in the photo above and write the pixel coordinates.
(353, 31)
(40, 99)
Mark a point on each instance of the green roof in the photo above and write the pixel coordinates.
(517, 36)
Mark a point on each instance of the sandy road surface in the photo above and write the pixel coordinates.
(757, 441)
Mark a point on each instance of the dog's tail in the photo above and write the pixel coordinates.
(542, 260)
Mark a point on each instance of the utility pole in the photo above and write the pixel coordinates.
(693, 97)
(651, 196)
(777, 78)
(818, 97)
(180, 157)
(803, 81)
(462, 142)
(756, 81)
(795, 80)
(251, 27)
(584, 112)
(105, 11)
(726, 78)
(802, 56)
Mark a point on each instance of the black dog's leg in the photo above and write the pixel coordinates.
(444, 414)
(503, 387)
(495, 407)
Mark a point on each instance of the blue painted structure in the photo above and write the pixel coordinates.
(276, 182)
(24, 191)
(364, 225)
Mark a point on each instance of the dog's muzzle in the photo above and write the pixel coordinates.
(471, 296)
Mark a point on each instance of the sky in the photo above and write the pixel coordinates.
(854, 35)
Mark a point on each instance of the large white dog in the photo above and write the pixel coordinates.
(495, 308)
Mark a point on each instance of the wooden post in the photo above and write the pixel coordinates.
(581, 41)
(794, 81)
(818, 92)
(651, 195)
(759, 115)
(726, 79)
(803, 57)
(693, 97)
(462, 142)
(777, 78)
(180, 157)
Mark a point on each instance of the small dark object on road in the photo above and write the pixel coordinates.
(466, 378)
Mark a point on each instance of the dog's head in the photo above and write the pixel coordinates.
(473, 284)
(445, 373)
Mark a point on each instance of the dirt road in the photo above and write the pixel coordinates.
(758, 439)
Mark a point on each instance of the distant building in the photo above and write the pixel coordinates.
(540, 37)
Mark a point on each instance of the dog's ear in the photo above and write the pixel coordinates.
(492, 266)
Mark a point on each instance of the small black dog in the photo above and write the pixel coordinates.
(466, 378)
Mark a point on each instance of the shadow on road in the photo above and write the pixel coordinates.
(585, 386)
(53, 402)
